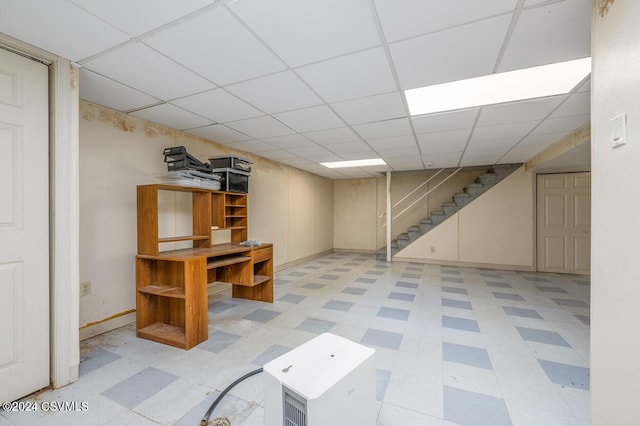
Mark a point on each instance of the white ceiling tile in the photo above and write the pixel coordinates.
(102, 91)
(408, 18)
(137, 17)
(58, 27)
(203, 45)
(171, 116)
(518, 129)
(448, 141)
(392, 142)
(544, 139)
(315, 153)
(445, 121)
(251, 146)
(578, 103)
(492, 143)
(360, 155)
(405, 163)
(277, 154)
(218, 105)
(375, 108)
(528, 3)
(289, 141)
(482, 157)
(456, 54)
(352, 76)
(578, 158)
(219, 133)
(148, 71)
(275, 93)
(384, 129)
(407, 151)
(562, 124)
(261, 127)
(350, 148)
(518, 111)
(310, 119)
(342, 134)
(550, 33)
(309, 31)
(521, 154)
(441, 159)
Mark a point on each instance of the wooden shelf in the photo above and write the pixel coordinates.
(163, 290)
(236, 215)
(183, 238)
(164, 333)
(259, 279)
(217, 263)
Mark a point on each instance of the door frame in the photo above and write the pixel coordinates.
(63, 210)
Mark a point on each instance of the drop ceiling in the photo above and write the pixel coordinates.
(309, 81)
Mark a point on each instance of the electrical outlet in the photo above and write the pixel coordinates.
(85, 288)
(433, 249)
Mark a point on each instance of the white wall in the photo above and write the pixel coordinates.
(615, 276)
(496, 230)
(291, 208)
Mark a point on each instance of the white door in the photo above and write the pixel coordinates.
(24, 226)
(564, 223)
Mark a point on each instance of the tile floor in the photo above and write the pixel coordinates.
(454, 346)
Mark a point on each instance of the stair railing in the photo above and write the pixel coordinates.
(422, 196)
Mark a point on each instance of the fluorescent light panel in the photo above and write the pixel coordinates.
(528, 83)
(355, 163)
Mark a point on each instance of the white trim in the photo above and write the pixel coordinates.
(388, 234)
(63, 210)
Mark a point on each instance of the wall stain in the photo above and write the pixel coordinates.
(117, 120)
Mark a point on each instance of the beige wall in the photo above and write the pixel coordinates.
(615, 286)
(355, 218)
(495, 230)
(288, 207)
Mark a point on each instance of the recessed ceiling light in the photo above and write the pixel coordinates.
(355, 163)
(528, 83)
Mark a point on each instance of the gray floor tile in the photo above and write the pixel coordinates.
(570, 303)
(354, 290)
(452, 280)
(217, 307)
(219, 341)
(374, 272)
(453, 272)
(394, 313)
(382, 381)
(498, 284)
(273, 352)
(474, 409)
(583, 282)
(314, 286)
(508, 296)
(381, 338)
(382, 266)
(139, 387)
(261, 315)
(405, 284)
(352, 264)
(342, 270)
(566, 374)
(324, 262)
(468, 355)
(537, 279)
(460, 323)
(401, 296)
(338, 305)
(414, 268)
(366, 280)
(460, 304)
(521, 312)
(314, 267)
(95, 358)
(297, 274)
(329, 277)
(456, 290)
(550, 289)
(279, 281)
(542, 336)
(313, 325)
(585, 319)
(292, 298)
(408, 275)
(490, 275)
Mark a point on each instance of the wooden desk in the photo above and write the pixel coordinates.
(171, 296)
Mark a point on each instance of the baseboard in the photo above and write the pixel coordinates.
(356, 251)
(115, 321)
(522, 268)
(286, 265)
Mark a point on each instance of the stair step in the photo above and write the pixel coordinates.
(474, 188)
(488, 178)
(461, 198)
(437, 217)
(414, 232)
(403, 240)
(449, 207)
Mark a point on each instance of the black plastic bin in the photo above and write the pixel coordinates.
(233, 180)
(237, 163)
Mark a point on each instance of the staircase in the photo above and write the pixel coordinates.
(469, 193)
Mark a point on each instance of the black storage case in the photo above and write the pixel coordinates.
(231, 163)
(233, 180)
(177, 158)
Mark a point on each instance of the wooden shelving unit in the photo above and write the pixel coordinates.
(171, 296)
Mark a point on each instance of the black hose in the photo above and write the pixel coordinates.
(207, 415)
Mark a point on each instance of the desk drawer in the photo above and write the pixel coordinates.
(260, 254)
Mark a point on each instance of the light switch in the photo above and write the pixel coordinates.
(619, 130)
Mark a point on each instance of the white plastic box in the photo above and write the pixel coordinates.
(329, 380)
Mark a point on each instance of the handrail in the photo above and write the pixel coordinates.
(412, 192)
(423, 195)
